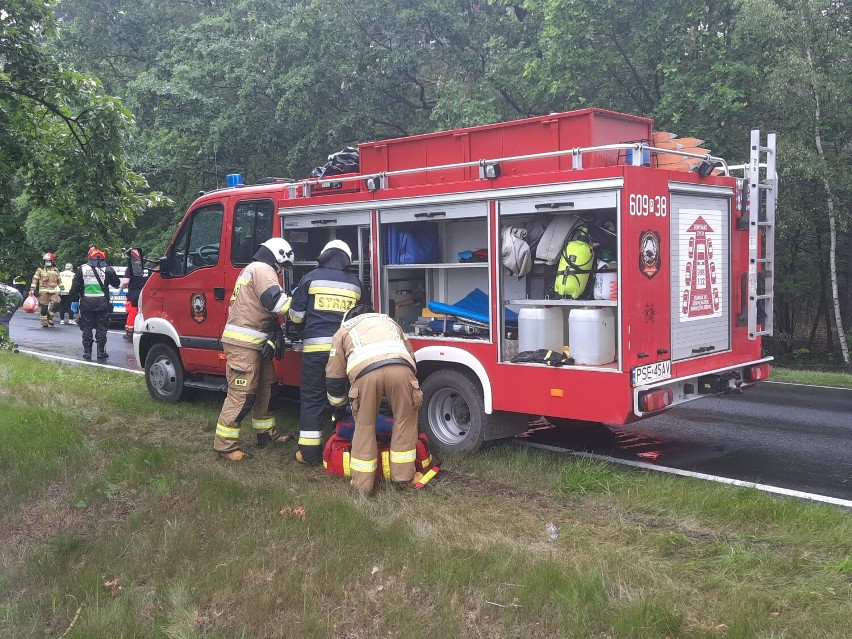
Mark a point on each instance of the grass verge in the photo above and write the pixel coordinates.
(120, 522)
(814, 378)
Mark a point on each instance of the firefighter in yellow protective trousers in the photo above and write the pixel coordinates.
(371, 355)
(49, 283)
(252, 337)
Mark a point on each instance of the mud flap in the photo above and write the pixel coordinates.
(501, 424)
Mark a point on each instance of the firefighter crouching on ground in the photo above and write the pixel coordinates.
(48, 282)
(252, 337)
(372, 354)
(319, 302)
(91, 286)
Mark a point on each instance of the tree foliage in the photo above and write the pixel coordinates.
(271, 87)
(62, 139)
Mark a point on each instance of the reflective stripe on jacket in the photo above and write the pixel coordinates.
(365, 341)
(320, 300)
(47, 280)
(255, 303)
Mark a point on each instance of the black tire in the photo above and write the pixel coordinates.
(453, 412)
(164, 374)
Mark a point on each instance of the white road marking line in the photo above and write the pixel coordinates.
(84, 362)
(769, 381)
(775, 490)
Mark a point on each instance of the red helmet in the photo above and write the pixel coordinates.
(96, 254)
(48, 257)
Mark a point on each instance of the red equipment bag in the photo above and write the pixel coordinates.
(31, 304)
(337, 452)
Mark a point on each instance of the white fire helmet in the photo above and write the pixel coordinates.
(281, 249)
(338, 244)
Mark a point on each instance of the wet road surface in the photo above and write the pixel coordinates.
(66, 341)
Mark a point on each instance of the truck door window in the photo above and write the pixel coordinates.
(252, 225)
(197, 244)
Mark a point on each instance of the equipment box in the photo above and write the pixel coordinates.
(562, 131)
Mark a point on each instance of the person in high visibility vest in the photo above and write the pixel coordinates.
(252, 337)
(48, 283)
(319, 302)
(373, 358)
(21, 284)
(67, 277)
(91, 286)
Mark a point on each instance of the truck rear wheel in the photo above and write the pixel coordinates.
(453, 412)
(164, 374)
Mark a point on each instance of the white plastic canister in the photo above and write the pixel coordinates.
(540, 328)
(592, 336)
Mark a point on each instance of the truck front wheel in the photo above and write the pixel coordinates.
(453, 412)
(164, 374)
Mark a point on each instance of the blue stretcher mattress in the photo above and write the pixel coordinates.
(473, 306)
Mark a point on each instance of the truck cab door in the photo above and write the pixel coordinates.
(194, 299)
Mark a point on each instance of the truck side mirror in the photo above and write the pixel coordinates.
(164, 267)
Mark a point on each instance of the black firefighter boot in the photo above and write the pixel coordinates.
(87, 351)
(102, 354)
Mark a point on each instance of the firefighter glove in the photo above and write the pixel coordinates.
(280, 345)
(268, 350)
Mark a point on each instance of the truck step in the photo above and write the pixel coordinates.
(217, 385)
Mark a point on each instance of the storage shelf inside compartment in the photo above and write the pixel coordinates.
(437, 265)
(612, 366)
(559, 302)
(434, 271)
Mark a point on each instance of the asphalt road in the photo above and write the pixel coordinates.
(783, 435)
(65, 340)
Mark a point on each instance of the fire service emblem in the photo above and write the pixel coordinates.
(699, 288)
(198, 307)
(649, 253)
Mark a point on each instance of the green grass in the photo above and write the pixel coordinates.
(817, 378)
(117, 511)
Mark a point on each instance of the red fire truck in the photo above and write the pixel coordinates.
(433, 222)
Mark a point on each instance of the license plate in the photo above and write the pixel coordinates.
(650, 373)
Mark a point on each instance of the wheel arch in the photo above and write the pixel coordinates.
(432, 358)
(156, 331)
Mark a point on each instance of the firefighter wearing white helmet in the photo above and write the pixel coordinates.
(319, 302)
(48, 282)
(251, 339)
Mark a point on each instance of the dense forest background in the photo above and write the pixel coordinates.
(115, 113)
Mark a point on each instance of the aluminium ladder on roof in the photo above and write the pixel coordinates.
(762, 199)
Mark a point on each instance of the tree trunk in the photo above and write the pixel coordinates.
(848, 300)
(832, 222)
(822, 304)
